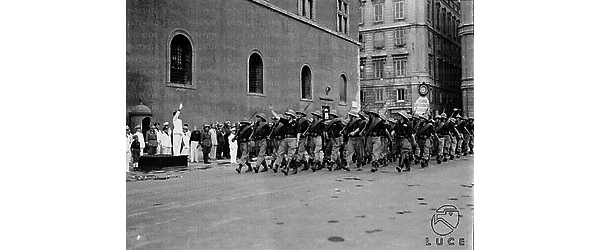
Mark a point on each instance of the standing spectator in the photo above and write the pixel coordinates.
(186, 141)
(213, 139)
(177, 131)
(220, 141)
(135, 151)
(152, 140)
(205, 143)
(128, 148)
(194, 145)
(226, 133)
(165, 141)
(232, 146)
(138, 132)
(158, 137)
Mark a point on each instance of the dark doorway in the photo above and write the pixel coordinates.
(145, 128)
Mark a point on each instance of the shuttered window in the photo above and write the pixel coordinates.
(255, 74)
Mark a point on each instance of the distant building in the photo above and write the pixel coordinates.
(405, 44)
(226, 59)
(466, 34)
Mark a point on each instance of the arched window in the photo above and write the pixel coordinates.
(255, 74)
(181, 60)
(306, 76)
(343, 88)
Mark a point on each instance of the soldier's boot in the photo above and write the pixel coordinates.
(249, 167)
(344, 166)
(439, 159)
(407, 164)
(239, 168)
(359, 166)
(451, 157)
(306, 166)
(329, 165)
(265, 168)
(445, 158)
(373, 166)
(285, 170)
(295, 165)
(275, 168)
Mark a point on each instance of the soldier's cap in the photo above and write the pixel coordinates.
(166, 124)
(316, 113)
(334, 113)
(290, 112)
(300, 111)
(422, 117)
(438, 116)
(245, 121)
(137, 126)
(458, 116)
(353, 113)
(444, 115)
(185, 125)
(206, 126)
(261, 115)
(126, 127)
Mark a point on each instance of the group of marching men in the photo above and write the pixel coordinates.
(298, 142)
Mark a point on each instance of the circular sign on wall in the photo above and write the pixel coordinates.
(423, 89)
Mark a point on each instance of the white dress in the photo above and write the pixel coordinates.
(232, 149)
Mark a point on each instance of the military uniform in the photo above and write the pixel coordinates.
(355, 141)
(290, 142)
(403, 134)
(303, 125)
(424, 135)
(375, 130)
(261, 131)
(335, 139)
(315, 136)
(277, 135)
(244, 138)
(471, 128)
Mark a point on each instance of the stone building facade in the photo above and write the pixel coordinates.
(466, 34)
(404, 45)
(225, 60)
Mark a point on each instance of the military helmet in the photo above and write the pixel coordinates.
(444, 116)
(290, 112)
(300, 111)
(353, 113)
(316, 113)
(261, 115)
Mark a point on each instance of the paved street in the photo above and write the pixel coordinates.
(216, 208)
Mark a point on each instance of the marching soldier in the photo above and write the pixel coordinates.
(414, 123)
(454, 137)
(303, 125)
(259, 135)
(290, 143)
(355, 141)
(424, 135)
(375, 129)
(471, 128)
(315, 133)
(277, 135)
(334, 135)
(244, 138)
(403, 134)
(441, 139)
(444, 133)
(386, 143)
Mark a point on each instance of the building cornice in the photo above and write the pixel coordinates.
(312, 23)
(395, 26)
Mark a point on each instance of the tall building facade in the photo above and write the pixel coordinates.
(466, 34)
(409, 55)
(225, 60)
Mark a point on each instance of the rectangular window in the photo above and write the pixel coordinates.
(362, 96)
(379, 40)
(399, 37)
(429, 11)
(363, 63)
(400, 66)
(431, 66)
(361, 39)
(379, 12)
(379, 95)
(342, 16)
(361, 15)
(400, 94)
(399, 10)
(378, 67)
